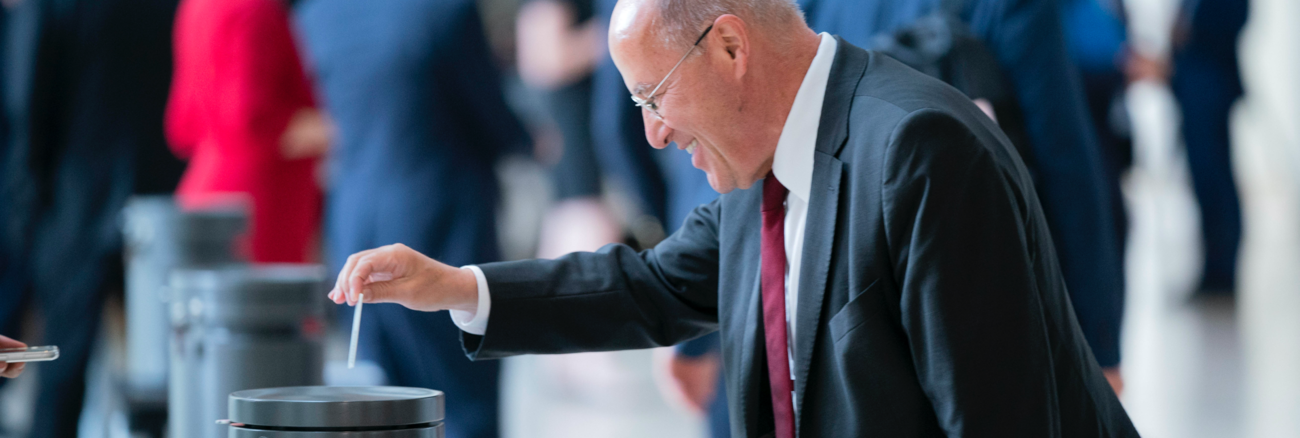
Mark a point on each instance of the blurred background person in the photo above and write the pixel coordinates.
(558, 43)
(620, 143)
(12, 275)
(86, 86)
(421, 117)
(242, 111)
(1096, 38)
(1206, 82)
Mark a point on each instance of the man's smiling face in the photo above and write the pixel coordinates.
(702, 103)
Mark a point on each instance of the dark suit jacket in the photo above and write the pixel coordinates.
(1077, 196)
(930, 304)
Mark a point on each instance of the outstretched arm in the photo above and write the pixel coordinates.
(612, 299)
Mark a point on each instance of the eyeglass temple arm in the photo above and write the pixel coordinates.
(679, 64)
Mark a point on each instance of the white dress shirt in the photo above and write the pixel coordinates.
(792, 165)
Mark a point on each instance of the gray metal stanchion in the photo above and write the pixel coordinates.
(159, 238)
(239, 328)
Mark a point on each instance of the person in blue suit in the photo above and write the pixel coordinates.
(1206, 83)
(1096, 38)
(86, 84)
(421, 119)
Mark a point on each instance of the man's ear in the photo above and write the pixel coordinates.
(732, 36)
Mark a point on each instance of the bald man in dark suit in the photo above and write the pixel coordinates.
(878, 263)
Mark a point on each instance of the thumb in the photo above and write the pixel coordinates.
(12, 370)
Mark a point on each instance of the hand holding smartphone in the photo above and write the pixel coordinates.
(29, 354)
(15, 354)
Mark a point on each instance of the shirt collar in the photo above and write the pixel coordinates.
(793, 161)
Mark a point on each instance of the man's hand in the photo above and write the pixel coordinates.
(1115, 379)
(987, 107)
(308, 134)
(10, 370)
(398, 274)
(693, 380)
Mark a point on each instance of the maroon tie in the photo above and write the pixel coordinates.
(773, 283)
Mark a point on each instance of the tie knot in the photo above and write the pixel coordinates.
(773, 193)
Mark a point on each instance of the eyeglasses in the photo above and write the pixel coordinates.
(650, 103)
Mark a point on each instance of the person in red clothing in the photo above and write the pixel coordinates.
(242, 111)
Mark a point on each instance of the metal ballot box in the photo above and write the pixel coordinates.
(337, 411)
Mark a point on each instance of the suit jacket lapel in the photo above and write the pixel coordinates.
(749, 369)
(846, 72)
(823, 205)
(819, 238)
(754, 367)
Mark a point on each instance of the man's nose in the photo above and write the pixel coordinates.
(656, 131)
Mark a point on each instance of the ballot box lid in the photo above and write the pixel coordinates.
(330, 407)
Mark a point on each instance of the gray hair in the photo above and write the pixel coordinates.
(682, 21)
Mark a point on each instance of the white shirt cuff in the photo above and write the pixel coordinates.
(475, 323)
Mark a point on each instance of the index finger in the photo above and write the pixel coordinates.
(342, 283)
(358, 278)
(371, 268)
(377, 266)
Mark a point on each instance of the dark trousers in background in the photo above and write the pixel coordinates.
(70, 304)
(1206, 89)
(1104, 93)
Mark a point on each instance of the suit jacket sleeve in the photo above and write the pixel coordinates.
(612, 299)
(956, 227)
(263, 80)
(181, 120)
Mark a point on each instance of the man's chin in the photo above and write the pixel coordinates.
(718, 186)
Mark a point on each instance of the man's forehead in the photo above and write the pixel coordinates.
(629, 18)
(632, 30)
(632, 46)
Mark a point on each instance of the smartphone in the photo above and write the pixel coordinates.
(29, 354)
